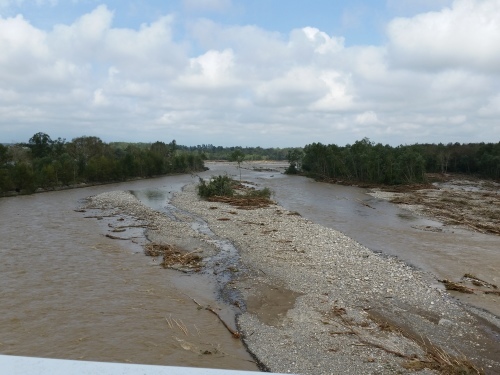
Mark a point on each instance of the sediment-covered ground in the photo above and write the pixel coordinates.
(454, 200)
(314, 301)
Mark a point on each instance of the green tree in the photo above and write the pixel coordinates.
(6, 183)
(238, 156)
(40, 145)
(23, 177)
(294, 157)
(4, 154)
(82, 149)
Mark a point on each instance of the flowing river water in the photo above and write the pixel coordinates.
(66, 291)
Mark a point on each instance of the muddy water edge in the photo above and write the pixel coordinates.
(67, 291)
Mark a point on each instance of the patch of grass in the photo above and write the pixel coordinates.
(263, 193)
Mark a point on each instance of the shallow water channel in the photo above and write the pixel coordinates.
(66, 291)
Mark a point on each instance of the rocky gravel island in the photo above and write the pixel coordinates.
(311, 300)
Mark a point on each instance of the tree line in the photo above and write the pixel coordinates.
(46, 163)
(211, 152)
(367, 162)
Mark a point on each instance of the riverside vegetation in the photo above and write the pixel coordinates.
(47, 164)
(370, 163)
(44, 163)
(224, 189)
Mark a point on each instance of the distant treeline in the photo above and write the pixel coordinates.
(367, 162)
(46, 163)
(211, 152)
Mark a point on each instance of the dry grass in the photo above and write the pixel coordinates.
(447, 364)
(435, 358)
(177, 323)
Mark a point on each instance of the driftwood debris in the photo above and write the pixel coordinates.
(98, 217)
(459, 287)
(117, 238)
(173, 256)
(450, 285)
(234, 333)
(243, 202)
(478, 282)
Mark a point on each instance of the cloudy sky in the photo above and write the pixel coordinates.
(270, 73)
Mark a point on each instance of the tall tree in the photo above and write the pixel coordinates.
(238, 156)
(40, 145)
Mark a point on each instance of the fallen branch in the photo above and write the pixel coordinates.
(234, 333)
(133, 226)
(117, 238)
(365, 204)
(494, 292)
(450, 285)
(478, 282)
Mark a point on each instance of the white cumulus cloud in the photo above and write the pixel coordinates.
(435, 80)
(465, 35)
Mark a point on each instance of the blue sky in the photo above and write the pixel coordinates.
(265, 73)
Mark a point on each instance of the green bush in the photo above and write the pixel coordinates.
(217, 186)
(263, 193)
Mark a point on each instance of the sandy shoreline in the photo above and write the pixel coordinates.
(315, 301)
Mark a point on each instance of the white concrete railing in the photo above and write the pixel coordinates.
(13, 365)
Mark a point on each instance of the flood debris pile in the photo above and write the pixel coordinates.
(478, 285)
(474, 204)
(174, 258)
(243, 202)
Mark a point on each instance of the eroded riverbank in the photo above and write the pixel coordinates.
(347, 309)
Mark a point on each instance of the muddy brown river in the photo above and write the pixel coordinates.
(66, 291)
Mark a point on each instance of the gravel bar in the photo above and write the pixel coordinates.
(314, 301)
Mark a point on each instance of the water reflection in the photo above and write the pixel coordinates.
(154, 198)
